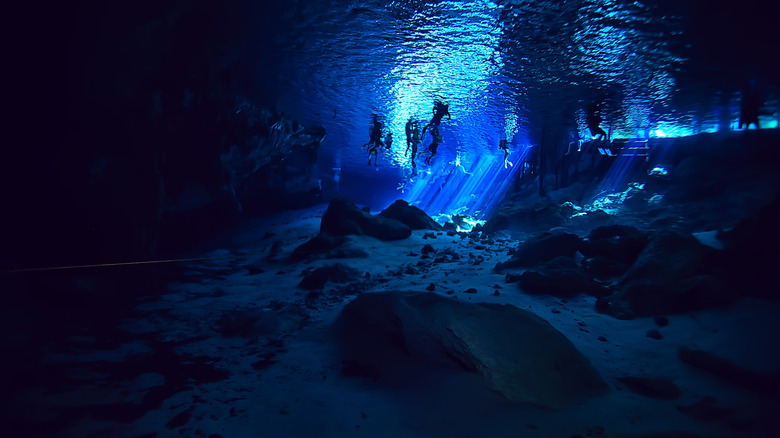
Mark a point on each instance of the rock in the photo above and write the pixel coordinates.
(612, 249)
(544, 247)
(261, 322)
(651, 387)
(431, 287)
(410, 215)
(673, 274)
(705, 409)
(560, 277)
(427, 249)
(337, 273)
(747, 262)
(343, 218)
(729, 370)
(666, 434)
(470, 290)
(540, 216)
(319, 245)
(518, 354)
(654, 334)
(661, 321)
(496, 293)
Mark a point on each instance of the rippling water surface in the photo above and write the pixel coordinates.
(506, 68)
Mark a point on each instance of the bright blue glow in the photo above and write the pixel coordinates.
(625, 166)
(450, 188)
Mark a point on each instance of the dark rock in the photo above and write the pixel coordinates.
(747, 262)
(602, 339)
(661, 321)
(705, 409)
(319, 245)
(450, 227)
(560, 277)
(538, 217)
(410, 215)
(655, 334)
(612, 249)
(343, 218)
(496, 293)
(261, 322)
(730, 371)
(337, 273)
(427, 249)
(543, 248)
(671, 275)
(431, 287)
(517, 353)
(470, 290)
(651, 387)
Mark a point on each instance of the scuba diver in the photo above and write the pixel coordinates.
(375, 133)
(373, 149)
(504, 145)
(440, 109)
(593, 120)
(389, 141)
(434, 146)
(409, 124)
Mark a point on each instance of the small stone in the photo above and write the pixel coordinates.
(555, 310)
(661, 321)
(431, 287)
(427, 249)
(654, 333)
(450, 292)
(602, 339)
(496, 293)
(470, 290)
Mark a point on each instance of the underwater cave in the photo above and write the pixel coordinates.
(412, 218)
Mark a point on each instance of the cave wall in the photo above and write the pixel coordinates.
(136, 118)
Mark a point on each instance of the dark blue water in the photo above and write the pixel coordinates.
(507, 69)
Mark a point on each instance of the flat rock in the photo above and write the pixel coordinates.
(518, 354)
(336, 273)
(673, 274)
(729, 370)
(544, 247)
(344, 218)
(410, 215)
(651, 387)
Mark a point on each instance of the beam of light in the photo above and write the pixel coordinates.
(631, 158)
(450, 188)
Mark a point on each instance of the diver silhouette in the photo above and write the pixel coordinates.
(389, 141)
(440, 109)
(408, 127)
(593, 120)
(414, 138)
(504, 145)
(750, 107)
(434, 146)
(375, 133)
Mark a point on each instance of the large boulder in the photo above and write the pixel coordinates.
(543, 215)
(518, 354)
(750, 257)
(612, 249)
(343, 218)
(673, 274)
(543, 248)
(412, 216)
(560, 277)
